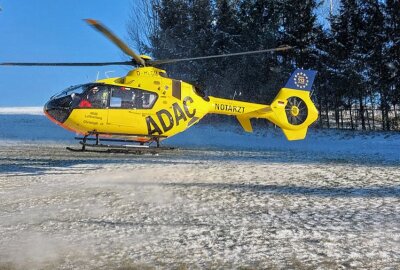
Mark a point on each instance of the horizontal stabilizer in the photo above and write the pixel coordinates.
(293, 135)
(245, 123)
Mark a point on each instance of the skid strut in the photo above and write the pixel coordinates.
(109, 145)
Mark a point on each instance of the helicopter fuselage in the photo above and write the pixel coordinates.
(143, 103)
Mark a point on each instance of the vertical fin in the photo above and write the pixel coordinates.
(293, 135)
(301, 80)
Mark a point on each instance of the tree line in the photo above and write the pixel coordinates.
(356, 51)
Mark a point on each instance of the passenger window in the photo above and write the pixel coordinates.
(148, 100)
(122, 98)
(132, 98)
(144, 99)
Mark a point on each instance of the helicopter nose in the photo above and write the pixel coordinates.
(58, 109)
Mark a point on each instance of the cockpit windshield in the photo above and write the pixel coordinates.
(76, 89)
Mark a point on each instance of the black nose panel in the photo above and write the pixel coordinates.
(59, 109)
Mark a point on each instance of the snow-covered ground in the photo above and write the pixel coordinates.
(21, 110)
(223, 199)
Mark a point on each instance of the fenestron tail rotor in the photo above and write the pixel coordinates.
(296, 111)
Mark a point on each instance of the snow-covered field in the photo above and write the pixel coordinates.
(224, 199)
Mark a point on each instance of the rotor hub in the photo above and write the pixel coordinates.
(295, 110)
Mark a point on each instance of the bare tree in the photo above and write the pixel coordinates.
(143, 24)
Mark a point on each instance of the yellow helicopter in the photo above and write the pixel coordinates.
(147, 106)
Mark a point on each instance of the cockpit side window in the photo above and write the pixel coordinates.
(98, 96)
(95, 96)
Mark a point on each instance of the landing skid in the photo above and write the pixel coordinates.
(118, 146)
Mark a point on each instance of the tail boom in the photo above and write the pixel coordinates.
(244, 111)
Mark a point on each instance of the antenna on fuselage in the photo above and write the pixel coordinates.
(106, 73)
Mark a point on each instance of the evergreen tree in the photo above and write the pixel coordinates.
(357, 58)
(299, 29)
(347, 33)
(375, 72)
(226, 33)
(199, 41)
(264, 73)
(393, 53)
(328, 95)
(226, 27)
(169, 39)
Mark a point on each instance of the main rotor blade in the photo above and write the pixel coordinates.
(128, 63)
(102, 29)
(168, 61)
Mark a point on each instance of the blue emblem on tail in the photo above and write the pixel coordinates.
(301, 80)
